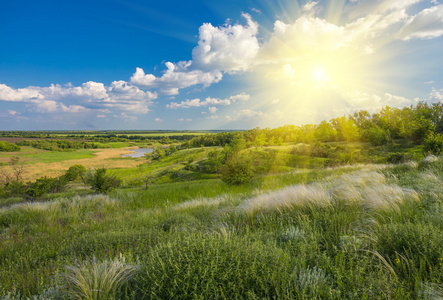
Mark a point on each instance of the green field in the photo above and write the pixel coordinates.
(321, 234)
(350, 209)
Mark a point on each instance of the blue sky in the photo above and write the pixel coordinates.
(213, 64)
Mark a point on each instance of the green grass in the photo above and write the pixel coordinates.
(354, 232)
(55, 156)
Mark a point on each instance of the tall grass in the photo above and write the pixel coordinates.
(96, 280)
(345, 233)
(367, 189)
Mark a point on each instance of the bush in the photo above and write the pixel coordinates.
(237, 170)
(101, 181)
(396, 158)
(8, 147)
(433, 144)
(75, 172)
(45, 185)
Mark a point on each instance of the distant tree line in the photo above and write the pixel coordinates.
(413, 124)
(58, 145)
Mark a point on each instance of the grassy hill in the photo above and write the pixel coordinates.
(353, 232)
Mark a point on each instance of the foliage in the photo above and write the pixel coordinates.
(396, 158)
(237, 170)
(58, 145)
(158, 154)
(101, 180)
(433, 144)
(8, 147)
(45, 185)
(75, 172)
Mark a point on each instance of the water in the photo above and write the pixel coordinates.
(139, 152)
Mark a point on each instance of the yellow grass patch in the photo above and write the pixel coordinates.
(107, 158)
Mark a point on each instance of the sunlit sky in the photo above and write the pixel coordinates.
(232, 64)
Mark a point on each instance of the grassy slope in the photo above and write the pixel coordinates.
(204, 239)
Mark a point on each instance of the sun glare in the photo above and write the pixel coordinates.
(319, 75)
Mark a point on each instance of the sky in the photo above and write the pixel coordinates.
(200, 65)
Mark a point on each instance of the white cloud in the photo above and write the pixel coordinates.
(427, 24)
(256, 10)
(429, 82)
(74, 99)
(247, 113)
(177, 76)
(18, 95)
(212, 109)
(243, 97)
(209, 101)
(372, 102)
(309, 6)
(436, 94)
(158, 120)
(183, 120)
(101, 116)
(230, 48)
(126, 117)
(365, 7)
(292, 41)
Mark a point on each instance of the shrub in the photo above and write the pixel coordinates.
(396, 158)
(433, 144)
(45, 185)
(101, 181)
(8, 147)
(158, 154)
(75, 172)
(237, 170)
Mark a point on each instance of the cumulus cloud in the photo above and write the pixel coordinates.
(74, 99)
(18, 95)
(209, 101)
(212, 109)
(230, 48)
(177, 76)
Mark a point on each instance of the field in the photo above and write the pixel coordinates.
(244, 220)
(40, 163)
(329, 234)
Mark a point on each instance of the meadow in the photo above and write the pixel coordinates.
(362, 232)
(239, 215)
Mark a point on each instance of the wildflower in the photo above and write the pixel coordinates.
(397, 260)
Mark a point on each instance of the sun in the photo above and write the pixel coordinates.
(319, 75)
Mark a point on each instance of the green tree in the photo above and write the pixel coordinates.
(433, 144)
(101, 180)
(8, 147)
(158, 154)
(237, 170)
(75, 172)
